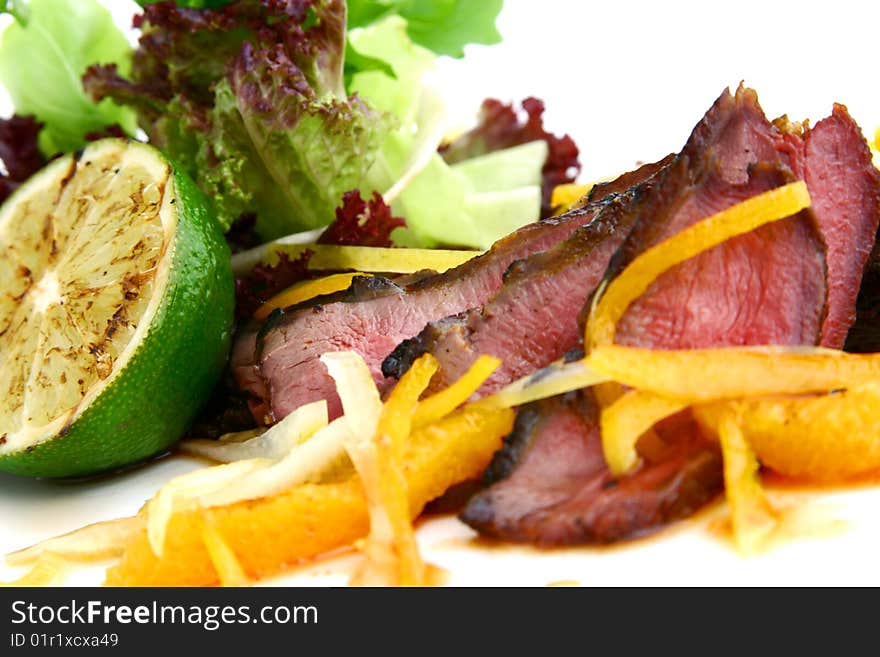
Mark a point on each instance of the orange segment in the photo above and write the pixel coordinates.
(822, 438)
(267, 535)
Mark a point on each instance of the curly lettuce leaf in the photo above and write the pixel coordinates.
(43, 54)
(251, 99)
(278, 108)
(302, 153)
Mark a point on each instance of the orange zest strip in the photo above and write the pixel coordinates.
(447, 400)
(704, 375)
(624, 422)
(569, 195)
(222, 557)
(373, 258)
(752, 517)
(392, 554)
(305, 290)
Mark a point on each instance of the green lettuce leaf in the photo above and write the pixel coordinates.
(43, 54)
(471, 203)
(442, 26)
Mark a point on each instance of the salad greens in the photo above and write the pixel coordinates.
(442, 26)
(43, 57)
(442, 204)
(252, 102)
(277, 109)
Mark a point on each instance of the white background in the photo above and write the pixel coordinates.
(628, 80)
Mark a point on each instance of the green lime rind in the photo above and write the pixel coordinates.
(152, 401)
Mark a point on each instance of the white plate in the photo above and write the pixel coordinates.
(628, 80)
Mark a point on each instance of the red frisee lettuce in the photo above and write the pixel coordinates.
(362, 223)
(19, 151)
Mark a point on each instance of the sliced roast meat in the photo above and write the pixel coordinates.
(373, 324)
(764, 287)
(845, 188)
(729, 295)
(835, 162)
(279, 365)
(534, 318)
(549, 484)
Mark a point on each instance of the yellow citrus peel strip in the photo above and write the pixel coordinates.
(568, 196)
(703, 375)
(391, 551)
(447, 400)
(626, 420)
(227, 565)
(373, 258)
(305, 290)
(752, 517)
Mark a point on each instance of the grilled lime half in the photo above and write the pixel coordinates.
(116, 306)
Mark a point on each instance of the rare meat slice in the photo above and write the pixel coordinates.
(845, 188)
(278, 364)
(374, 316)
(835, 162)
(549, 484)
(534, 318)
(765, 287)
